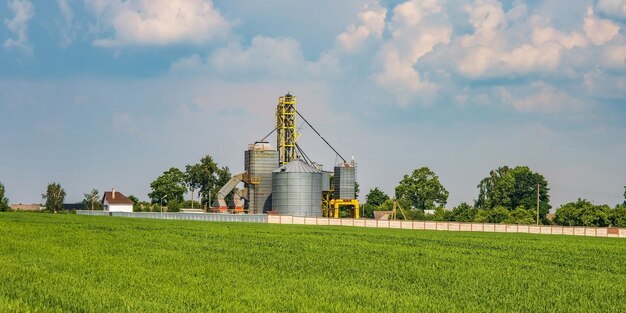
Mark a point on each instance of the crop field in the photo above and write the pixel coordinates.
(70, 263)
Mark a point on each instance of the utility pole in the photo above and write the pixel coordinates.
(537, 203)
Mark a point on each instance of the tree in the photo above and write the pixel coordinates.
(584, 213)
(521, 216)
(618, 216)
(512, 188)
(569, 214)
(136, 203)
(463, 213)
(168, 187)
(374, 199)
(422, 189)
(206, 177)
(54, 197)
(4, 201)
(624, 195)
(498, 215)
(92, 200)
(596, 216)
(134, 199)
(495, 189)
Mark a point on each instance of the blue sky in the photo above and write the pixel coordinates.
(110, 93)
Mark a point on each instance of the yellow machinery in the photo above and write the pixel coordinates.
(286, 129)
(336, 203)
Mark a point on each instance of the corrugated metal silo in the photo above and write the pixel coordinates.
(345, 178)
(297, 189)
(260, 160)
(325, 181)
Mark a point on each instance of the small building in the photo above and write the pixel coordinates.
(26, 207)
(73, 206)
(115, 201)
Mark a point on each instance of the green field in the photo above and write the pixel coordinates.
(70, 263)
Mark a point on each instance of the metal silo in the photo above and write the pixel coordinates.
(297, 189)
(326, 181)
(344, 181)
(260, 160)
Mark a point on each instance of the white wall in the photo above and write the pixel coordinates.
(119, 207)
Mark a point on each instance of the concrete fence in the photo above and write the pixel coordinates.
(207, 217)
(454, 226)
(370, 223)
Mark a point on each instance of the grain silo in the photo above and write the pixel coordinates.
(260, 160)
(297, 189)
(344, 181)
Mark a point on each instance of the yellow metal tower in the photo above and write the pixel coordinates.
(286, 129)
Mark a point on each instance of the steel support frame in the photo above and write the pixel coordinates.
(286, 129)
(336, 203)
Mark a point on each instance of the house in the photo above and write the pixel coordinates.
(115, 201)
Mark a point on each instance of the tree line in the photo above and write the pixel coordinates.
(508, 196)
(203, 179)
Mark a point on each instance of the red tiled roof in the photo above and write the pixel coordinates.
(119, 198)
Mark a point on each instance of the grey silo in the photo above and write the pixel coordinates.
(297, 190)
(344, 181)
(260, 160)
(326, 181)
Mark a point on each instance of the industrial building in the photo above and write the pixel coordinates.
(284, 181)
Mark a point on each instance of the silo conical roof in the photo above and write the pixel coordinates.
(297, 166)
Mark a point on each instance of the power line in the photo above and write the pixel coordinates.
(318, 133)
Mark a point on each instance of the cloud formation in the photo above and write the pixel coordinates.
(158, 22)
(432, 47)
(600, 31)
(416, 28)
(263, 58)
(24, 11)
(67, 33)
(372, 20)
(612, 8)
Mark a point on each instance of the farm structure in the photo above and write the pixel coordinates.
(115, 201)
(283, 180)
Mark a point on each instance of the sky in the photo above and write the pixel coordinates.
(109, 93)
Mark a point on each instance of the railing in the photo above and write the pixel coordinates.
(208, 217)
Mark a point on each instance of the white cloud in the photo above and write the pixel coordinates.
(264, 57)
(612, 8)
(413, 35)
(615, 57)
(280, 56)
(543, 35)
(600, 85)
(189, 63)
(24, 11)
(372, 25)
(600, 31)
(547, 100)
(497, 47)
(159, 22)
(67, 34)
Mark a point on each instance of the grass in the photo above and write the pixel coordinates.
(70, 263)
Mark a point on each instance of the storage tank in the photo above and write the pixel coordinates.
(344, 181)
(260, 160)
(326, 181)
(297, 190)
